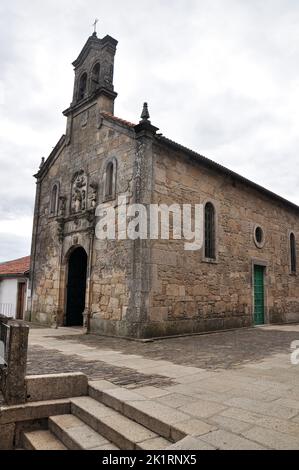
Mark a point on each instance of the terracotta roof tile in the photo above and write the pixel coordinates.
(16, 266)
(117, 119)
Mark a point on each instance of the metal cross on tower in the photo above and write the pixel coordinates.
(95, 25)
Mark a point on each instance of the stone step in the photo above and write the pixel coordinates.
(41, 440)
(77, 435)
(159, 418)
(122, 431)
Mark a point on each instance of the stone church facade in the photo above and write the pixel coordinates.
(244, 274)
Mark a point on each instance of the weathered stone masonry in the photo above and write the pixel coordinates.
(190, 293)
(146, 288)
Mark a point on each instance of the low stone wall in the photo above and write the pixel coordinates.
(47, 395)
(56, 386)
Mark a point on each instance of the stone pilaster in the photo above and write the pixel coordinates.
(143, 191)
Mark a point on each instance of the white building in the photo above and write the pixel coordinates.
(13, 287)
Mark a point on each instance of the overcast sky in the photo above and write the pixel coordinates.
(221, 77)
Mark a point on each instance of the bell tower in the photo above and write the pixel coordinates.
(94, 68)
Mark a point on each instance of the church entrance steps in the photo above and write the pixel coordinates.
(92, 425)
(77, 435)
(117, 428)
(161, 419)
(106, 417)
(41, 440)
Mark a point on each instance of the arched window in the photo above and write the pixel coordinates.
(95, 77)
(109, 180)
(54, 200)
(293, 253)
(110, 175)
(82, 86)
(210, 249)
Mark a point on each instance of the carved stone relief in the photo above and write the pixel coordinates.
(62, 206)
(79, 190)
(84, 118)
(108, 74)
(60, 230)
(99, 119)
(93, 194)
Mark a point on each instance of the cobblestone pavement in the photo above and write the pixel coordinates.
(239, 388)
(222, 350)
(44, 361)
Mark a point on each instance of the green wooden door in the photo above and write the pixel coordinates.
(259, 295)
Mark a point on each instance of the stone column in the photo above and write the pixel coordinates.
(143, 191)
(88, 299)
(58, 318)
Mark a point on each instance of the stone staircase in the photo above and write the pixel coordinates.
(105, 419)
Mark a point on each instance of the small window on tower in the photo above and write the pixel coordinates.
(54, 200)
(110, 180)
(82, 87)
(95, 77)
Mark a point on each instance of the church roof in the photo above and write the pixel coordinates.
(118, 120)
(222, 169)
(16, 267)
(52, 155)
(207, 162)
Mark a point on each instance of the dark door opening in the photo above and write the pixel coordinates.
(76, 287)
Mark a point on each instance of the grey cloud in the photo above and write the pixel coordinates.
(14, 246)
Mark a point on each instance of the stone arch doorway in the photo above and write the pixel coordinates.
(76, 287)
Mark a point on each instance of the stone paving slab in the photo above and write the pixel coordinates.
(296, 419)
(194, 390)
(272, 439)
(202, 408)
(214, 397)
(230, 424)
(152, 392)
(268, 409)
(225, 440)
(290, 403)
(190, 443)
(194, 378)
(156, 443)
(267, 422)
(194, 427)
(175, 400)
